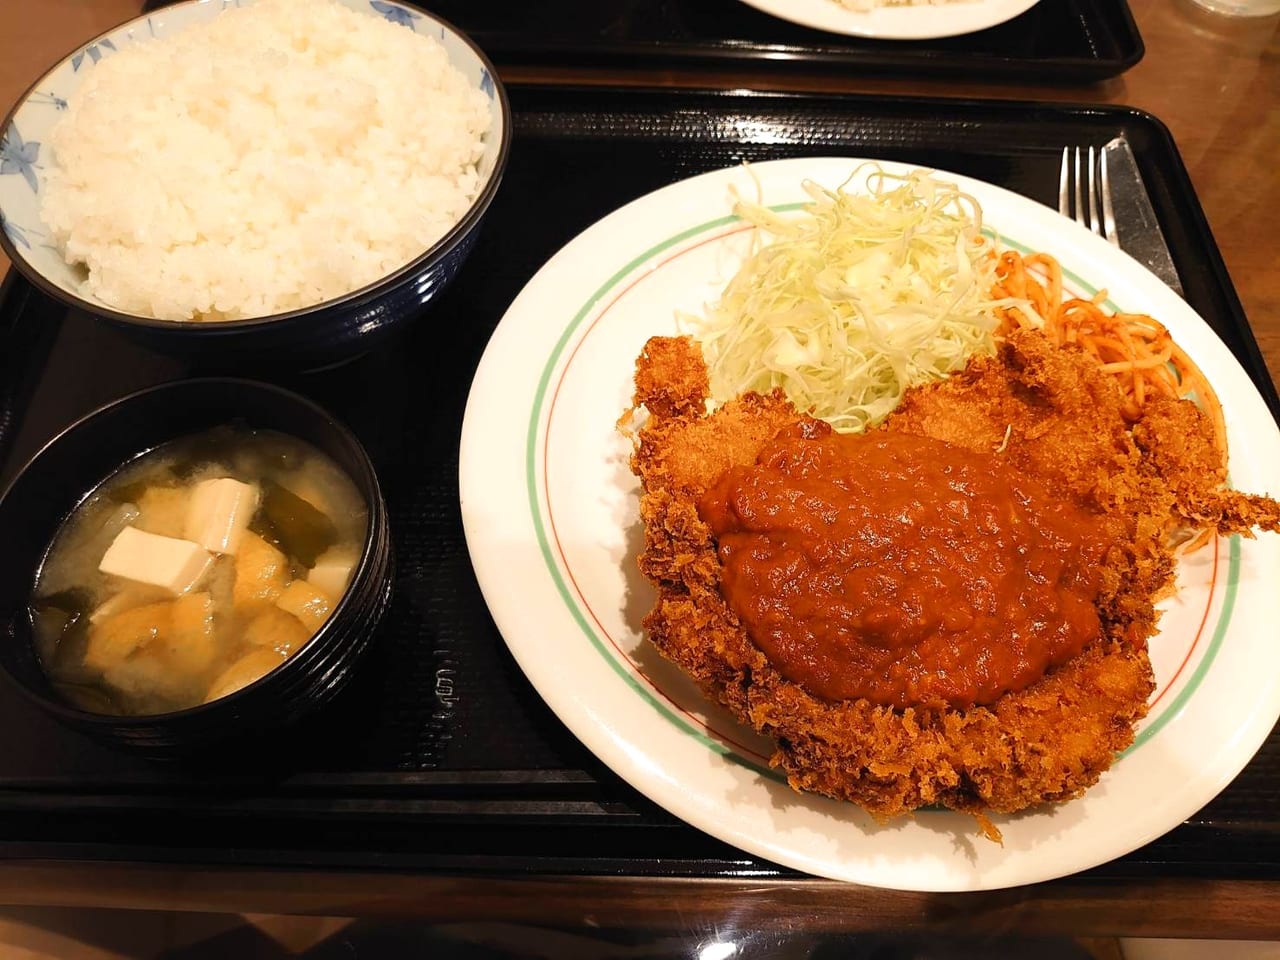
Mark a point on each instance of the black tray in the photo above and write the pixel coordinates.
(1056, 41)
(441, 756)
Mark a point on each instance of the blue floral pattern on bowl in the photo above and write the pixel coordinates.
(27, 128)
(93, 51)
(18, 157)
(15, 233)
(395, 13)
(53, 100)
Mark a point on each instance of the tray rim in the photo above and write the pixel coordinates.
(49, 797)
(896, 56)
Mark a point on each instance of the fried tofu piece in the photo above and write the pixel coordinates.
(188, 646)
(114, 639)
(155, 651)
(163, 511)
(261, 574)
(125, 600)
(309, 604)
(253, 666)
(276, 630)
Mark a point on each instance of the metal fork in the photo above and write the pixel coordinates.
(1094, 211)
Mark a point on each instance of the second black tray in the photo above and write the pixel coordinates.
(441, 756)
(1056, 41)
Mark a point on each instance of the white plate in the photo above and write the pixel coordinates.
(923, 22)
(551, 516)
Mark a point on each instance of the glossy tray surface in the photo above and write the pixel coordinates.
(441, 755)
(1054, 41)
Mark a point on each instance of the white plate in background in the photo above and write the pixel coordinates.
(910, 22)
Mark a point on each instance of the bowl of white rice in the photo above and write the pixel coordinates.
(283, 177)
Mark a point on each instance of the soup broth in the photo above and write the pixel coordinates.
(195, 570)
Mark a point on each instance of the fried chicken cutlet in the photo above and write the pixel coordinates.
(1045, 411)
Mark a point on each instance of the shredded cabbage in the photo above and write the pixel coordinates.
(855, 299)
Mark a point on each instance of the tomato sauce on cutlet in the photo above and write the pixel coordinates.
(902, 569)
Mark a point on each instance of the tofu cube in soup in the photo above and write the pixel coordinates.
(218, 513)
(166, 562)
(193, 572)
(332, 572)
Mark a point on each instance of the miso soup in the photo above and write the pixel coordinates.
(195, 570)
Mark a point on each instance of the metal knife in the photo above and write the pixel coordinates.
(1136, 225)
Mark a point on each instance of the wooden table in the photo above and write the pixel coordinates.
(1216, 83)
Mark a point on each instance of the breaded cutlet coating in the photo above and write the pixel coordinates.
(1048, 410)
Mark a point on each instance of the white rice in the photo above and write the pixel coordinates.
(280, 155)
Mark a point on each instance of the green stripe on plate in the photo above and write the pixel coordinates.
(531, 446)
(622, 671)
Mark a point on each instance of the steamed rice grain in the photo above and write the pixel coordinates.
(278, 156)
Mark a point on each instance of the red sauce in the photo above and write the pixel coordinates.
(902, 569)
